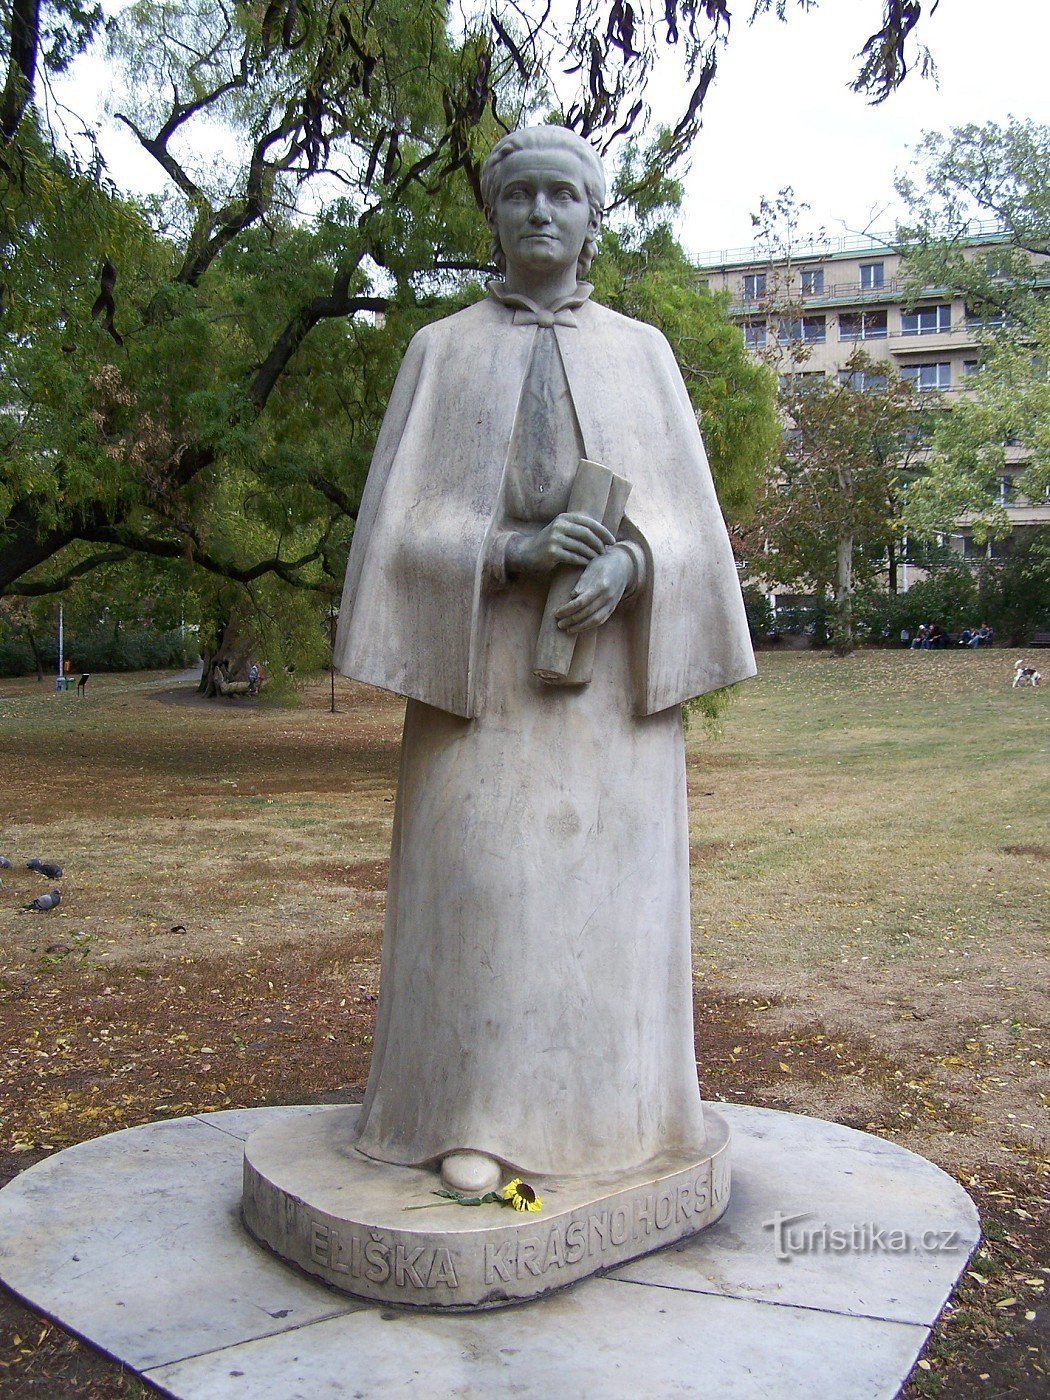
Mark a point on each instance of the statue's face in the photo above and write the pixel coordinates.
(542, 213)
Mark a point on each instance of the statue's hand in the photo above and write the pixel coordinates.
(570, 538)
(602, 584)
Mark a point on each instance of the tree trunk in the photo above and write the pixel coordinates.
(230, 659)
(24, 41)
(891, 572)
(843, 628)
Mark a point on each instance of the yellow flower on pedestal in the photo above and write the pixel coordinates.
(521, 1196)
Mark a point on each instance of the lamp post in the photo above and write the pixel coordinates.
(59, 681)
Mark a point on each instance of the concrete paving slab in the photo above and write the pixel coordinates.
(135, 1242)
(866, 1227)
(242, 1122)
(605, 1339)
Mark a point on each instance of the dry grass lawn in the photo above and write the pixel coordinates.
(870, 844)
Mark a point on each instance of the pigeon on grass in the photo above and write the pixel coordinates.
(5, 864)
(45, 867)
(44, 902)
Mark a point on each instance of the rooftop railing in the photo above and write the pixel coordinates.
(980, 230)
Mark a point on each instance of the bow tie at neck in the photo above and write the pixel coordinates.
(528, 313)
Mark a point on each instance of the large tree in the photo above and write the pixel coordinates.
(199, 378)
(827, 519)
(999, 173)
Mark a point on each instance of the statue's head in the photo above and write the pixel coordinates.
(569, 170)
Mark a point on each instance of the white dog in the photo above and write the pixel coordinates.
(1023, 674)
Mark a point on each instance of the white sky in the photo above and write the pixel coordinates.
(780, 113)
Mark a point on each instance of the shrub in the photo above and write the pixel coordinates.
(759, 613)
(948, 597)
(103, 649)
(1014, 595)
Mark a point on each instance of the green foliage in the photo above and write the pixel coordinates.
(759, 610)
(643, 272)
(991, 172)
(711, 710)
(948, 597)
(197, 380)
(1002, 172)
(1010, 404)
(100, 649)
(1014, 595)
(828, 510)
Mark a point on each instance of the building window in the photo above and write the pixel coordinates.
(970, 367)
(812, 330)
(928, 377)
(863, 379)
(862, 325)
(991, 549)
(991, 320)
(995, 264)
(754, 285)
(812, 281)
(928, 320)
(872, 276)
(804, 382)
(754, 334)
(1007, 490)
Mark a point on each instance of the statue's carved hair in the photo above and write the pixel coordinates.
(533, 138)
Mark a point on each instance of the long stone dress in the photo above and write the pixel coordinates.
(535, 999)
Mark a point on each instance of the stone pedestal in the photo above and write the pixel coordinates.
(379, 1232)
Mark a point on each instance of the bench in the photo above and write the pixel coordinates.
(1041, 639)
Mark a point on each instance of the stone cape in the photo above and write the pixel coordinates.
(413, 618)
(535, 1000)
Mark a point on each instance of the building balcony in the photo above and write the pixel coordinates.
(852, 294)
(959, 338)
(840, 295)
(1019, 514)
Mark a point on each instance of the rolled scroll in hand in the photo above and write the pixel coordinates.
(562, 658)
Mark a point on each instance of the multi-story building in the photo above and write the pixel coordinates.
(849, 293)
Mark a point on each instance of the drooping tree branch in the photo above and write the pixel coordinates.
(156, 146)
(333, 493)
(24, 546)
(61, 583)
(884, 58)
(189, 550)
(338, 303)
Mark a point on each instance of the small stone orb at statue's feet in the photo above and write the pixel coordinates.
(470, 1172)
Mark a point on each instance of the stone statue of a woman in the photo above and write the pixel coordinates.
(535, 1010)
